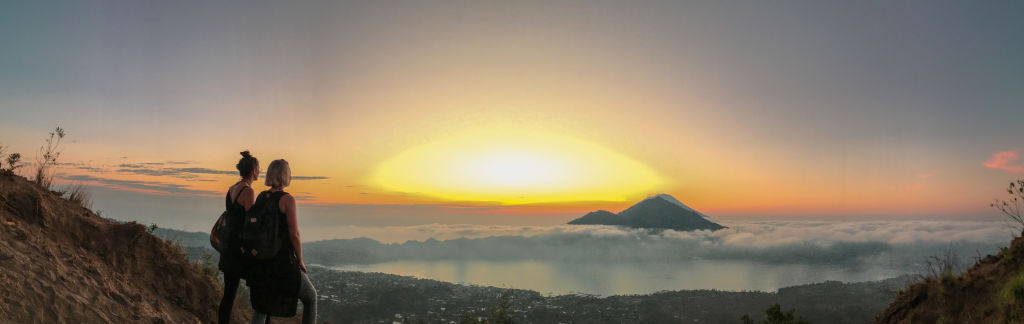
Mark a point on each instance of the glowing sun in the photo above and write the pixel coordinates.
(521, 168)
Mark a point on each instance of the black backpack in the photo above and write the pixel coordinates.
(222, 231)
(261, 233)
(222, 228)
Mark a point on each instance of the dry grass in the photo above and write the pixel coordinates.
(79, 194)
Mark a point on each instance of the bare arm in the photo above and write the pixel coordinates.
(288, 208)
(246, 198)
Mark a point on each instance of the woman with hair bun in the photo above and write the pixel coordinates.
(240, 198)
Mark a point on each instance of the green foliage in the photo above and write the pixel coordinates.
(1012, 293)
(500, 314)
(746, 319)
(47, 158)
(207, 266)
(468, 318)
(207, 258)
(151, 228)
(775, 315)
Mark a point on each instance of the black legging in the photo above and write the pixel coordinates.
(230, 288)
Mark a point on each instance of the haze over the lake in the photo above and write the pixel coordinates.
(607, 260)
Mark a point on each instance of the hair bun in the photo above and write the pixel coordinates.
(246, 154)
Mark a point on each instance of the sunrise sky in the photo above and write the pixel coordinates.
(524, 112)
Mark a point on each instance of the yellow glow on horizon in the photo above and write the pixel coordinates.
(513, 168)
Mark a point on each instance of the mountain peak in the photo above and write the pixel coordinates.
(676, 202)
(661, 211)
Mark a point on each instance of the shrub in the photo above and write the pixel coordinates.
(47, 158)
(80, 195)
(1012, 208)
(13, 162)
(944, 266)
(1012, 293)
(775, 315)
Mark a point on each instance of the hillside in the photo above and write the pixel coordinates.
(657, 212)
(991, 291)
(62, 263)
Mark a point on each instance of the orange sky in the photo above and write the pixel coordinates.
(564, 109)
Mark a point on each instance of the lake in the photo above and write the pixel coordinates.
(628, 278)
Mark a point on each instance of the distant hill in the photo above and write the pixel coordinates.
(659, 212)
(991, 291)
(62, 263)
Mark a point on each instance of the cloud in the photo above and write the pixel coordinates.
(157, 169)
(150, 186)
(157, 172)
(759, 233)
(903, 244)
(1006, 161)
(309, 178)
(80, 166)
(899, 245)
(202, 171)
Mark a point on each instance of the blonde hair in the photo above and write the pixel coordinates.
(279, 174)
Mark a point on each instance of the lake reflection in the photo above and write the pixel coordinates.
(628, 278)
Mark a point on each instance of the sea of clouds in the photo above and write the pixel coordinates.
(759, 233)
(897, 244)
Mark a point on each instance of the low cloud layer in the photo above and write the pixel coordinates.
(759, 233)
(901, 245)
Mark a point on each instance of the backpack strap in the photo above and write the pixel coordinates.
(278, 194)
(238, 195)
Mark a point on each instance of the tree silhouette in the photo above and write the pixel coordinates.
(774, 315)
(1011, 208)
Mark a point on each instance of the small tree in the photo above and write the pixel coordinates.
(1011, 208)
(775, 315)
(13, 162)
(47, 157)
(502, 313)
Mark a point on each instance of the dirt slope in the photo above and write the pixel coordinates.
(991, 291)
(61, 263)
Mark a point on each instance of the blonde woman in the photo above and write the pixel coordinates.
(277, 283)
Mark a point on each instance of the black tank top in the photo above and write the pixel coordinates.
(236, 219)
(274, 197)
